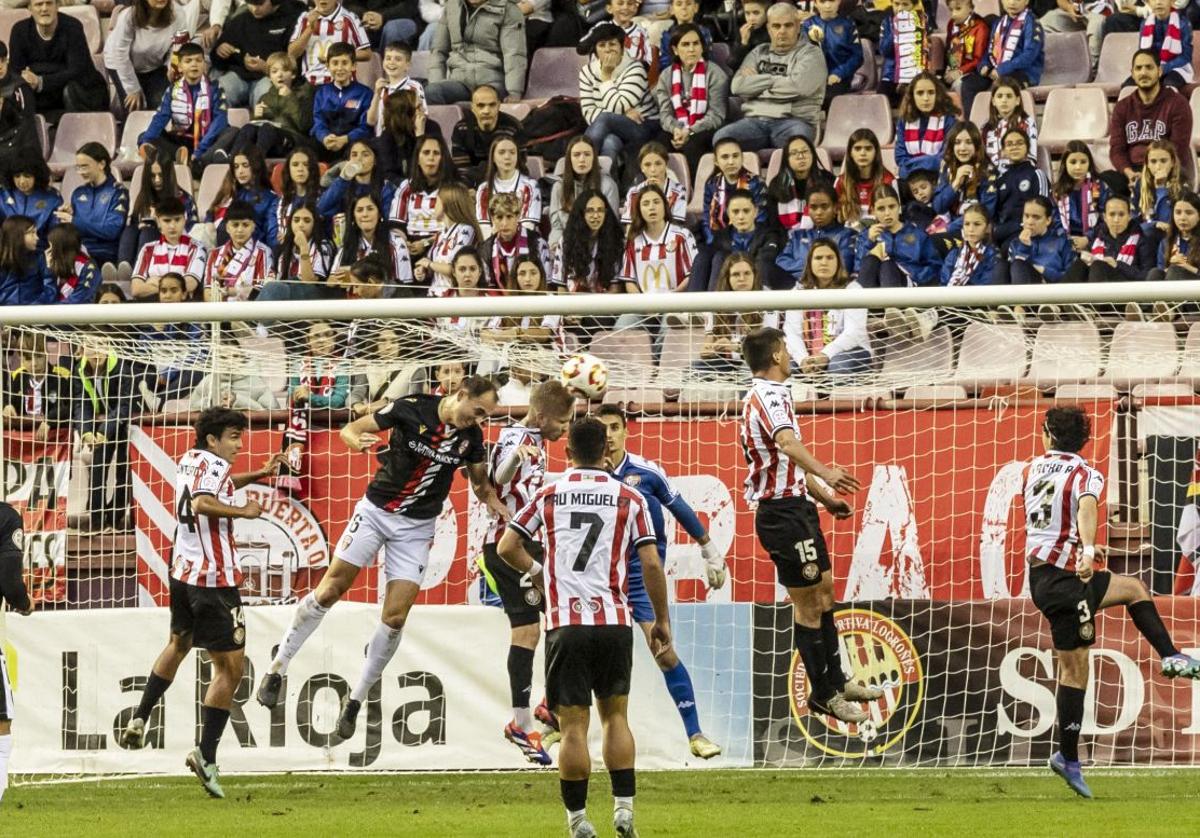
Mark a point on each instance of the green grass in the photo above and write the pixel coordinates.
(747, 804)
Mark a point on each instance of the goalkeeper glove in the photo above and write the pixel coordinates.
(714, 565)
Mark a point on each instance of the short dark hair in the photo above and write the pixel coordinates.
(586, 441)
(340, 50)
(477, 386)
(921, 174)
(170, 206)
(215, 421)
(370, 268)
(1043, 202)
(725, 141)
(401, 47)
(1069, 428)
(739, 193)
(239, 211)
(610, 409)
(189, 49)
(759, 348)
(1149, 53)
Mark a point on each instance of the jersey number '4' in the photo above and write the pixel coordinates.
(183, 512)
(595, 524)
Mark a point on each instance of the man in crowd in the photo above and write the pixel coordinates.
(477, 42)
(473, 135)
(49, 52)
(1152, 112)
(245, 44)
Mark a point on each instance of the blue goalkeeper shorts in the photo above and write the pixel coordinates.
(639, 599)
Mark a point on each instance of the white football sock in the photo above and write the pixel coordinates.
(380, 650)
(523, 717)
(5, 750)
(309, 614)
(623, 803)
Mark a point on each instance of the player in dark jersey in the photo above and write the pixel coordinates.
(431, 437)
(1066, 586)
(12, 591)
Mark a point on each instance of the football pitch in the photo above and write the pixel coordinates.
(743, 803)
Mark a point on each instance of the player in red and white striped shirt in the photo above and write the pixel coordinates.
(206, 606)
(588, 523)
(516, 469)
(1062, 498)
(788, 525)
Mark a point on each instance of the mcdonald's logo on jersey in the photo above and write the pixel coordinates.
(656, 277)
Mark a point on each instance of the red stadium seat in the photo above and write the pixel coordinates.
(554, 71)
(1073, 114)
(1116, 54)
(1068, 62)
(849, 113)
(127, 158)
(75, 129)
(446, 116)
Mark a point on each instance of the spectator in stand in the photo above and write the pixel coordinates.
(247, 180)
(683, 13)
(787, 191)
(862, 173)
(360, 175)
(614, 96)
(752, 33)
(74, 273)
(247, 43)
(926, 114)
(623, 13)
(1118, 252)
(652, 160)
(24, 277)
(283, 114)
(509, 242)
(474, 134)
(903, 46)
(320, 378)
(397, 61)
(891, 253)
(477, 42)
(138, 47)
(191, 125)
(1153, 112)
(388, 21)
(367, 232)
(431, 13)
(591, 247)
(173, 252)
(110, 294)
(49, 52)
(966, 43)
(1157, 189)
(781, 84)
(305, 256)
(1179, 253)
(38, 390)
(27, 192)
(1081, 16)
(1040, 252)
(973, 261)
(1007, 111)
(105, 385)
(1008, 191)
(414, 208)
(326, 24)
(158, 183)
(743, 233)
(1079, 193)
(721, 351)
(964, 175)
(505, 174)
(389, 377)
(405, 125)
(822, 202)
(581, 172)
(692, 95)
(834, 341)
(174, 378)
(838, 39)
(457, 231)
(301, 181)
(340, 107)
(99, 206)
(238, 269)
(730, 175)
(527, 277)
(1167, 33)
(18, 125)
(1016, 49)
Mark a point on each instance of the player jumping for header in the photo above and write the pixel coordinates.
(1062, 497)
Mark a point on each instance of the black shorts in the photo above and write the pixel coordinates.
(522, 601)
(6, 694)
(582, 661)
(789, 529)
(1069, 604)
(212, 616)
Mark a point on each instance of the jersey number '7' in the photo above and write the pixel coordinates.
(594, 523)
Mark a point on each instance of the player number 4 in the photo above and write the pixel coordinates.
(183, 512)
(595, 524)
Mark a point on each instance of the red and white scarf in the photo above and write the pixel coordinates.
(1126, 253)
(925, 143)
(164, 257)
(969, 258)
(1007, 37)
(1172, 44)
(716, 208)
(503, 255)
(1089, 206)
(689, 110)
(34, 394)
(240, 270)
(68, 284)
(910, 45)
(191, 115)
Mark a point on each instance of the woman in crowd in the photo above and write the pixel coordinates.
(692, 96)
(99, 206)
(581, 172)
(787, 191)
(414, 209)
(833, 341)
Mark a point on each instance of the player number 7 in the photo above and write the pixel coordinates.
(594, 524)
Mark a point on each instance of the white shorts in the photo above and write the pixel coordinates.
(6, 696)
(405, 542)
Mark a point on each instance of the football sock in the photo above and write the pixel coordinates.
(155, 687)
(574, 795)
(309, 614)
(1070, 720)
(1145, 617)
(5, 750)
(624, 786)
(833, 653)
(520, 684)
(811, 645)
(212, 721)
(380, 650)
(679, 685)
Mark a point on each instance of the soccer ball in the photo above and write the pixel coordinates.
(586, 374)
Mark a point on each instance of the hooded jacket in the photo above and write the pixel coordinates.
(481, 45)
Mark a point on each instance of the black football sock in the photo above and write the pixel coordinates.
(1070, 720)
(155, 687)
(811, 646)
(574, 794)
(520, 674)
(624, 785)
(213, 721)
(1149, 623)
(833, 653)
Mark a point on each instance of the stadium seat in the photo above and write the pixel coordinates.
(1161, 391)
(681, 347)
(1141, 353)
(678, 166)
(1086, 392)
(935, 393)
(1068, 62)
(937, 52)
(1195, 101)
(183, 176)
(987, 8)
(368, 72)
(1116, 54)
(554, 71)
(90, 18)
(931, 359)
(1100, 155)
(9, 19)
(43, 132)
(419, 69)
(239, 117)
(720, 53)
(210, 183)
(446, 116)
(849, 113)
(127, 158)
(517, 110)
(1073, 114)
(991, 353)
(1065, 352)
(981, 107)
(75, 129)
(888, 155)
(866, 77)
(535, 167)
(630, 348)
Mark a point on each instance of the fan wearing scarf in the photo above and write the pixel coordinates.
(1118, 252)
(510, 241)
(926, 116)
(1079, 194)
(240, 267)
(731, 175)
(192, 123)
(1179, 252)
(973, 262)
(1008, 191)
(1017, 48)
(1040, 252)
(904, 46)
(822, 202)
(1169, 33)
(692, 96)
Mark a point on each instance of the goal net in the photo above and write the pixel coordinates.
(935, 410)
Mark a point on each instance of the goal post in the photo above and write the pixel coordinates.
(936, 422)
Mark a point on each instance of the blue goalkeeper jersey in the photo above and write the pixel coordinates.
(649, 478)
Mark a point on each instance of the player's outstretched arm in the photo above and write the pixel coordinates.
(796, 451)
(268, 469)
(656, 586)
(485, 491)
(361, 434)
(1086, 520)
(213, 508)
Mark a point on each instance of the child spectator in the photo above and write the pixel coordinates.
(505, 175)
(723, 332)
(177, 377)
(457, 231)
(509, 242)
(1158, 187)
(683, 13)
(1016, 50)
(918, 209)
(658, 253)
(581, 172)
(1007, 193)
(237, 269)
(158, 182)
(98, 206)
(637, 41)
(926, 114)
(24, 277)
(301, 181)
(247, 180)
(752, 32)
(526, 278)
(414, 209)
(38, 389)
(966, 42)
(27, 192)
(744, 233)
(731, 175)
(305, 254)
(367, 232)
(340, 106)
(904, 46)
(973, 262)
(1079, 193)
(837, 37)
(397, 61)
(964, 175)
(466, 280)
(75, 274)
(283, 117)
(892, 254)
(1118, 252)
(360, 174)
(1168, 32)
(1179, 253)
(173, 252)
(365, 280)
(105, 386)
(1040, 252)
(191, 124)
(801, 169)
(692, 95)
(822, 202)
(834, 341)
(1007, 110)
(110, 294)
(652, 160)
(862, 173)
(326, 24)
